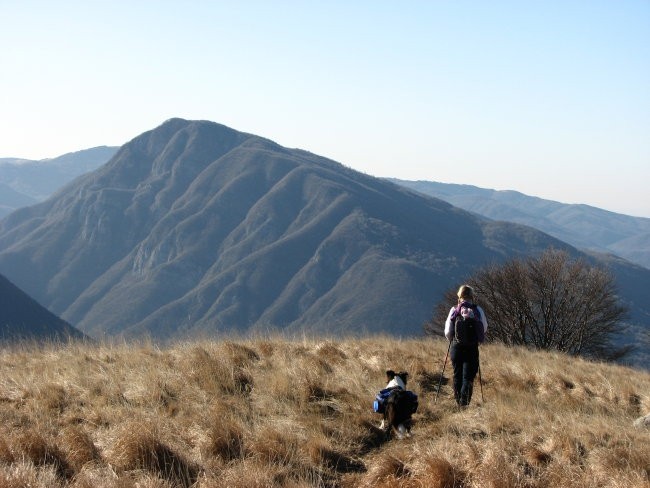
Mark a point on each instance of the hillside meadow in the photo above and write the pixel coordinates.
(298, 413)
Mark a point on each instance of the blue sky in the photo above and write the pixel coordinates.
(548, 98)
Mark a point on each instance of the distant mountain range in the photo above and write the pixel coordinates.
(22, 318)
(195, 229)
(25, 182)
(582, 226)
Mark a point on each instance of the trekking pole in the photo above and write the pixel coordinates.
(443, 372)
(480, 381)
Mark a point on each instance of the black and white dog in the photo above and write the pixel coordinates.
(400, 405)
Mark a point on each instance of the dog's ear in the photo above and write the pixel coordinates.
(390, 374)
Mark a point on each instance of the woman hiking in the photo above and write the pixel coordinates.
(465, 328)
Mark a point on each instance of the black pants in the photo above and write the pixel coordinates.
(464, 360)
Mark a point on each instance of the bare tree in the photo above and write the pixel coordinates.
(548, 302)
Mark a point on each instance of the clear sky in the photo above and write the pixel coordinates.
(550, 98)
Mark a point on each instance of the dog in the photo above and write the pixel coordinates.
(400, 405)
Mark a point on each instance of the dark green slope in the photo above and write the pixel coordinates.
(22, 318)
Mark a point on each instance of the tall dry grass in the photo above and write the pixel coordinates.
(273, 412)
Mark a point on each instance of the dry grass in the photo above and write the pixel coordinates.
(273, 412)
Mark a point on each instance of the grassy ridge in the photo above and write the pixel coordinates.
(264, 413)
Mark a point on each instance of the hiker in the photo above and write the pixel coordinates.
(465, 328)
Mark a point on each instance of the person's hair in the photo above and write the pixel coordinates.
(466, 292)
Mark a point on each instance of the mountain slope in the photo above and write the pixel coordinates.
(10, 200)
(196, 228)
(23, 318)
(25, 182)
(582, 226)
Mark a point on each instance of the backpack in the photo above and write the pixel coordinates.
(406, 399)
(395, 395)
(468, 327)
(379, 405)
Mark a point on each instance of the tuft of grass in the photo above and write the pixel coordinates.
(387, 470)
(275, 412)
(273, 446)
(437, 472)
(33, 446)
(78, 447)
(225, 441)
(138, 447)
(6, 456)
(322, 453)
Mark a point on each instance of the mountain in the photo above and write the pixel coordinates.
(10, 200)
(582, 226)
(23, 318)
(194, 229)
(25, 182)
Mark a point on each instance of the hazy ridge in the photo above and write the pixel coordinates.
(26, 182)
(582, 226)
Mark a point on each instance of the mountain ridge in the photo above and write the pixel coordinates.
(25, 182)
(581, 225)
(629, 236)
